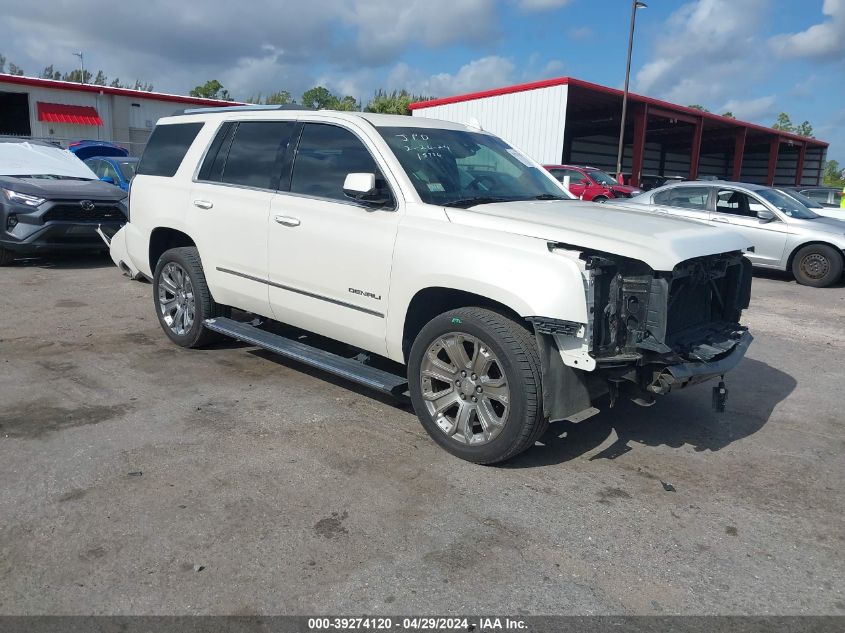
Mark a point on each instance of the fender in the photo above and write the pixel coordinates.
(517, 271)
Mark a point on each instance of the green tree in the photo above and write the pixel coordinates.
(728, 114)
(211, 89)
(100, 79)
(15, 70)
(784, 124)
(281, 97)
(2, 63)
(348, 104)
(696, 106)
(50, 73)
(804, 129)
(833, 174)
(77, 76)
(396, 102)
(318, 98)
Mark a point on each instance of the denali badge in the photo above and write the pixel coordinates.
(355, 291)
(86, 205)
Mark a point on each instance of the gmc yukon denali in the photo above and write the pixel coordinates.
(437, 260)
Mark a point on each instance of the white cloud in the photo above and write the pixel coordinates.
(581, 33)
(761, 108)
(541, 5)
(705, 52)
(824, 41)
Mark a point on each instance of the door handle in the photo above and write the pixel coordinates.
(203, 204)
(287, 220)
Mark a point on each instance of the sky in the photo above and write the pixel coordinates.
(755, 58)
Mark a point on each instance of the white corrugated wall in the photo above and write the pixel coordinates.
(532, 120)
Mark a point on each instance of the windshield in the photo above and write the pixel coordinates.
(128, 169)
(601, 177)
(462, 169)
(786, 204)
(800, 197)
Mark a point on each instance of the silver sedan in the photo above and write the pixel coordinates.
(786, 235)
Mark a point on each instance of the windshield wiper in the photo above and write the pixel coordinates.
(548, 196)
(471, 202)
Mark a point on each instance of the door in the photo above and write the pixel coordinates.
(577, 181)
(739, 210)
(230, 206)
(329, 257)
(684, 202)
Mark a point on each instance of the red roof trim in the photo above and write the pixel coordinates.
(571, 81)
(108, 90)
(63, 113)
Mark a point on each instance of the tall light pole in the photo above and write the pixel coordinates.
(82, 64)
(635, 4)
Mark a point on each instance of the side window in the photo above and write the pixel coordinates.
(215, 158)
(109, 171)
(167, 147)
(736, 203)
(326, 154)
(837, 198)
(254, 158)
(819, 195)
(683, 197)
(96, 165)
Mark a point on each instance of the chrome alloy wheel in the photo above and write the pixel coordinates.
(465, 388)
(815, 266)
(176, 299)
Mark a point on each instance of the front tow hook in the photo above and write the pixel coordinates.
(720, 397)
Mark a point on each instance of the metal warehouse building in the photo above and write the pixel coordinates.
(65, 111)
(569, 121)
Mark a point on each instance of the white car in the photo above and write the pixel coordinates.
(449, 263)
(786, 235)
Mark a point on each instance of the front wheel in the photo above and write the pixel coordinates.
(817, 265)
(182, 298)
(474, 378)
(599, 199)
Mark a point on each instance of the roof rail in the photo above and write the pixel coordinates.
(242, 108)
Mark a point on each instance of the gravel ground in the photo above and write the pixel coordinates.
(141, 478)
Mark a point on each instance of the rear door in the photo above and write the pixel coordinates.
(739, 210)
(688, 202)
(230, 207)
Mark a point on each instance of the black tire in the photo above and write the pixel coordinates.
(600, 199)
(204, 305)
(6, 257)
(514, 345)
(817, 265)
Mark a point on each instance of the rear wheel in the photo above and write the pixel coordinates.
(474, 377)
(599, 199)
(183, 300)
(6, 257)
(817, 265)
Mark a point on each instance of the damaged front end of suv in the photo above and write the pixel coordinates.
(649, 331)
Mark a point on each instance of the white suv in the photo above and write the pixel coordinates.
(448, 263)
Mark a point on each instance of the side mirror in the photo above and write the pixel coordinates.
(362, 187)
(108, 179)
(765, 215)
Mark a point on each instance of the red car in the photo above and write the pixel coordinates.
(589, 183)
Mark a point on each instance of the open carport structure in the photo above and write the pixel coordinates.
(570, 121)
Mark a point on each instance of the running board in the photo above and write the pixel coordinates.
(348, 368)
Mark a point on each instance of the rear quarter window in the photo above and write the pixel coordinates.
(166, 148)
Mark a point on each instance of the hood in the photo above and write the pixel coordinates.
(31, 159)
(827, 224)
(659, 241)
(53, 189)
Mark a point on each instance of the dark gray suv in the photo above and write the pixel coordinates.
(50, 200)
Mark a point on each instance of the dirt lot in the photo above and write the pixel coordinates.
(139, 477)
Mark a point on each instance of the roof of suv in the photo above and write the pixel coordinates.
(263, 112)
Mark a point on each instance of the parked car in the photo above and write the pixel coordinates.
(114, 170)
(786, 235)
(827, 209)
(50, 200)
(88, 149)
(814, 206)
(829, 197)
(589, 183)
(446, 262)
